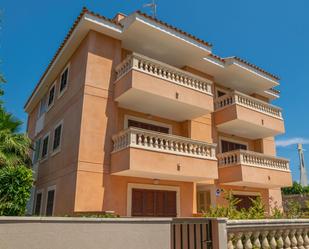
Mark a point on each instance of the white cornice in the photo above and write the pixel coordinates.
(172, 32)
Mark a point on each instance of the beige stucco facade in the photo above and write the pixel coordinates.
(97, 167)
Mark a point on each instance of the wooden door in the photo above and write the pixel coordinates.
(153, 203)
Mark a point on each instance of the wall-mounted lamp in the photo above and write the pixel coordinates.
(156, 181)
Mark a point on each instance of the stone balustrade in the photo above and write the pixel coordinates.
(238, 98)
(167, 143)
(163, 71)
(250, 158)
(254, 234)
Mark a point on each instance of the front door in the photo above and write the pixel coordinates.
(153, 203)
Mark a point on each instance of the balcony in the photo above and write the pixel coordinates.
(251, 169)
(152, 87)
(245, 116)
(144, 153)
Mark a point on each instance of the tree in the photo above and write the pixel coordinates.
(14, 146)
(15, 185)
(15, 173)
(297, 188)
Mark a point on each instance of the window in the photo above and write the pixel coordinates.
(50, 202)
(245, 201)
(64, 80)
(146, 126)
(220, 93)
(229, 146)
(42, 109)
(203, 201)
(51, 96)
(45, 146)
(57, 137)
(36, 153)
(38, 204)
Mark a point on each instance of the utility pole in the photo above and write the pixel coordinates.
(153, 7)
(303, 174)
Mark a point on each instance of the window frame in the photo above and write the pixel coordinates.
(232, 141)
(49, 106)
(48, 143)
(138, 119)
(39, 191)
(40, 113)
(207, 195)
(61, 92)
(221, 90)
(58, 149)
(34, 151)
(50, 188)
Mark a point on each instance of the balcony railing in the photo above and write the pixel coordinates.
(166, 143)
(249, 158)
(248, 102)
(163, 71)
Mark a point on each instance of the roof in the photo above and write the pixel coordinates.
(174, 28)
(255, 67)
(77, 20)
(245, 62)
(276, 91)
(113, 21)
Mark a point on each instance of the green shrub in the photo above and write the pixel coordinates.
(257, 209)
(229, 211)
(97, 215)
(297, 188)
(15, 186)
(293, 209)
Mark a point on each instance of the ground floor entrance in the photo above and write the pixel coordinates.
(153, 203)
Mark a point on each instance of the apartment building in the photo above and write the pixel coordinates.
(135, 116)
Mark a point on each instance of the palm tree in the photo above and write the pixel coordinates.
(14, 146)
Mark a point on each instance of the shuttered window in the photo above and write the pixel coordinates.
(38, 204)
(51, 96)
(64, 80)
(45, 146)
(153, 203)
(146, 126)
(50, 202)
(57, 137)
(230, 146)
(42, 106)
(36, 153)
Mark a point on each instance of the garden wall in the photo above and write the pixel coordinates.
(110, 233)
(151, 233)
(299, 198)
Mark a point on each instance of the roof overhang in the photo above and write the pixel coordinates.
(270, 94)
(234, 74)
(86, 23)
(156, 40)
(159, 41)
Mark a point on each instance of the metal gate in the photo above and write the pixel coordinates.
(192, 233)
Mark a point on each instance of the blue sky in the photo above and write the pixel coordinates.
(271, 34)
